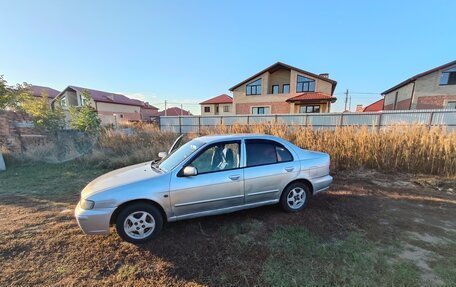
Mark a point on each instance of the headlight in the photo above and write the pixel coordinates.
(86, 204)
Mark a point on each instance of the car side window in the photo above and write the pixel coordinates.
(262, 152)
(218, 157)
(283, 154)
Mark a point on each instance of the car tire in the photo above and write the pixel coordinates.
(139, 223)
(295, 197)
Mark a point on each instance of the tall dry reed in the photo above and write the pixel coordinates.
(414, 149)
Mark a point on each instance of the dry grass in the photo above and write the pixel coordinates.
(116, 148)
(415, 149)
(354, 235)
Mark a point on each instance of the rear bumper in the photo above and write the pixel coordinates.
(321, 183)
(94, 221)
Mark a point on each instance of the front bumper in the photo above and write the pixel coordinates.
(321, 183)
(94, 221)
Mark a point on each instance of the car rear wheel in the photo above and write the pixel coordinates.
(139, 222)
(295, 197)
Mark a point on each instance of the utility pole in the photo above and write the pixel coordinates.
(165, 108)
(346, 100)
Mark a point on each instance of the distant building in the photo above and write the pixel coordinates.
(174, 111)
(147, 111)
(111, 107)
(39, 91)
(433, 89)
(283, 89)
(220, 105)
(374, 107)
(359, 108)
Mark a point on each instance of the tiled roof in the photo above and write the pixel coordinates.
(374, 107)
(38, 90)
(107, 97)
(311, 96)
(174, 111)
(145, 105)
(222, 99)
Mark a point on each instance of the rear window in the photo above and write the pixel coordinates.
(261, 152)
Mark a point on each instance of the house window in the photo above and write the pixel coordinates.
(275, 89)
(448, 77)
(451, 105)
(254, 88)
(260, 110)
(63, 102)
(83, 100)
(217, 109)
(305, 85)
(226, 109)
(285, 89)
(309, 109)
(207, 109)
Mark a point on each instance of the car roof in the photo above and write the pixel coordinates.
(217, 138)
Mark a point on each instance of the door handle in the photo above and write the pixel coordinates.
(289, 169)
(235, 176)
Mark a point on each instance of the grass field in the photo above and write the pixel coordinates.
(370, 229)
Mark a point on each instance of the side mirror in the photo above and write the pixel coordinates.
(162, 154)
(190, 171)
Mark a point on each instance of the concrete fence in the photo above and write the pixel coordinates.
(374, 120)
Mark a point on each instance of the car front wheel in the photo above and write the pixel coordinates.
(295, 197)
(138, 223)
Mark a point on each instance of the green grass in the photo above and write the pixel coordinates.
(47, 181)
(300, 259)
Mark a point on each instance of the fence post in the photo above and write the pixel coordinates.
(199, 125)
(248, 120)
(275, 119)
(379, 121)
(430, 120)
(180, 125)
(341, 123)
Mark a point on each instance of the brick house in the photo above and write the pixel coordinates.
(220, 105)
(111, 107)
(283, 89)
(433, 89)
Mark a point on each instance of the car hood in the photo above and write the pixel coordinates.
(120, 177)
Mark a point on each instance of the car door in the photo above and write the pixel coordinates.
(270, 166)
(218, 184)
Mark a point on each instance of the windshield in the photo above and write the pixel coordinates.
(179, 155)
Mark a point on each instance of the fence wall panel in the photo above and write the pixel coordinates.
(194, 124)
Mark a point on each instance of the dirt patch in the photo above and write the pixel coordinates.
(44, 246)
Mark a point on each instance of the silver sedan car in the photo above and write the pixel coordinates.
(206, 176)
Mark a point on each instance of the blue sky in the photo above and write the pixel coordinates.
(188, 51)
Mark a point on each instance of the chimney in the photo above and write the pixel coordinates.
(359, 108)
(324, 75)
